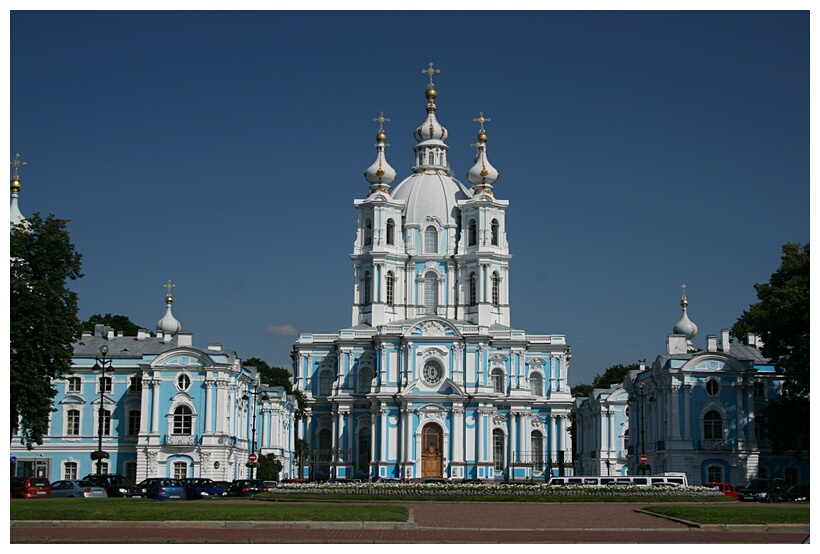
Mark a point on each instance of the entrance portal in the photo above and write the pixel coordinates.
(431, 451)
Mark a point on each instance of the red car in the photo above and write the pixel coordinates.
(725, 488)
(30, 487)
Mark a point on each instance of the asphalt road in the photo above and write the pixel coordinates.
(432, 523)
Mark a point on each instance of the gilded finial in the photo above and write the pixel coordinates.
(15, 179)
(482, 136)
(683, 301)
(431, 88)
(168, 298)
(381, 136)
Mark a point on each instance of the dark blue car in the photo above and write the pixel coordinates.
(197, 488)
(163, 488)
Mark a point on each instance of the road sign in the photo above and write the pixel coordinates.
(252, 457)
(644, 458)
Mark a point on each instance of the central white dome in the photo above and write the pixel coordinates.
(431, 193)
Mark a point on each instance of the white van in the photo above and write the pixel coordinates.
(665, 479)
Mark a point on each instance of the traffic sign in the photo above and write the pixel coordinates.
(644, 458)
(252, 457)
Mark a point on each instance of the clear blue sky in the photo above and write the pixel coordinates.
(223, 151)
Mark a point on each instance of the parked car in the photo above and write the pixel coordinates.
(246, 487)
(271, 484)
(163, 488)
(725, 488)
(77, 488)
(117, 485)
(394, 480)
(199, 488)
(223, 485)
(762, 490)
(30, 487)
(796, 493)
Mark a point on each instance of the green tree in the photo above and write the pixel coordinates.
(119, 322)
(269, 468)
(44, 321)
(781, 318)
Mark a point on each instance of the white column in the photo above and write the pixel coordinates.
(675, 411)
(209, 406)
(155, 385)
(553, 448)
(514, 449)
(687, 422)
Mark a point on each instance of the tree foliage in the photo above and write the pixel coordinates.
(787, 425)
(278, 377)
(269, 468)
(118, 322)
(612, 375)
(44, 321)
(781, 318)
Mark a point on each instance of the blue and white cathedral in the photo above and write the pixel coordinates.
(430, 380)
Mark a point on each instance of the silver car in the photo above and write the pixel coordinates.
(77, 488)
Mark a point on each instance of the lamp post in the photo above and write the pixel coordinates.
(102, 363)
(246, 396)
(641, 411)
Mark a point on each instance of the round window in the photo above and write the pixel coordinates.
(711, 387)
(183, 382)
(432, 372)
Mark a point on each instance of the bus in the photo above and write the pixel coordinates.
(662, 480)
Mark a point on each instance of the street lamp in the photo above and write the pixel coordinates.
(256, 392)
(641, 409)
(102, 364)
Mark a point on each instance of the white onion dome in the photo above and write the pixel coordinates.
(431, 192)
(168, 324)
(380, 174)
(685, 326)
(15, 216)
(482, 175)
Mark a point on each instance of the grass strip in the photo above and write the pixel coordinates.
(736, 514)
(135, 509)
(454, 497)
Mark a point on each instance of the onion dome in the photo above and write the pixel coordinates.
(685, 326)
(431, 151)
(482, 175)
(380, 174)
(169, 323)
(16, 217)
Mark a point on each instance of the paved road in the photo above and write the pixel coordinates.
(429, 523)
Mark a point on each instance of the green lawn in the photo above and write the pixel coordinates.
(736, 514)
(135, 509)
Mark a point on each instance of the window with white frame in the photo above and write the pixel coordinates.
(536, 384)
(325, 382)
(368, 232)
(712, 387)
(712, 425)
(134, 417)
(106, 422)
(714, 474)
(497, 377)
(73, 384)
(180, 470)
(103, 467)
(472, 282)
(367, 285)
(390, 284)
(72, 422)
(537, 450)
(430, 240)
(135, 384)
(70, 470)
(183, 423)
(496, 287)
(183, 382)
(498, 449)
(104, 384)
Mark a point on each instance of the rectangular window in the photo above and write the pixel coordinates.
(72, 423)
(135, 384)
(70, 470)
(106, 422)
(498, 451)
(180, 470)
(73, 384)
(714, 474)
(104, 384)
(134, 422)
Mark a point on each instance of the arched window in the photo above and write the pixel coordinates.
(325, 382)
(183, 420)
(497, 377)
(496, 283)
(365, 380)
(537, 384)
(472, 281)
(391, 232)
(494, 232)
(390, 285)
(430, 240)
(498, 449)
(72, 422)
(430, 157)
(712, 387)
(366, 285)
(431, 292)
(368, 232)
(712, 426)
(537, 450)
(471, 233)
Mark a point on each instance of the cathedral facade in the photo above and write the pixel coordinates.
(430, 380)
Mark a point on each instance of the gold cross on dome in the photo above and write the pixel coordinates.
(430, 71)
(481, 119)
(169, 286)
(17, 163)
(381, 119)
(683, 286)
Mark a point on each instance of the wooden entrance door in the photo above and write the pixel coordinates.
(431, 446)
